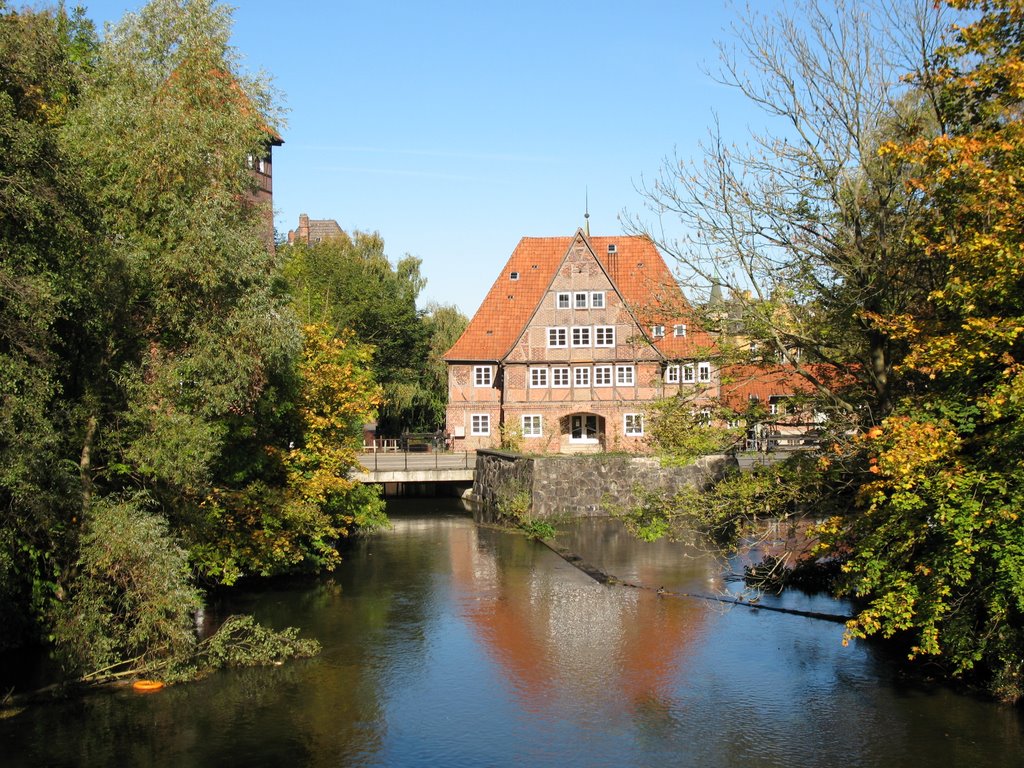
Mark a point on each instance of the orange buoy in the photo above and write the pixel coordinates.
(147, 686)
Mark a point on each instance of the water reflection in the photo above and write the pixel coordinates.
(558, 635)
(450, 644)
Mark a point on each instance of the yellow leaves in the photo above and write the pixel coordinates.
(907, 449)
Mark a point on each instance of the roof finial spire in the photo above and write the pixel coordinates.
(586, 211)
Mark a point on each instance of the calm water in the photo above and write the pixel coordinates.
(446, 644)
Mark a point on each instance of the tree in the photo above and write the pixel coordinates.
(444, 326)
(349, 283)
(808, 227)
(296, 524)
(46, 254)
(938, 553)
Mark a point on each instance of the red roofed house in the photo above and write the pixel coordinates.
(791, 419)
(576, 336)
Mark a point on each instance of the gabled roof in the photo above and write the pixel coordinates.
(635, 268)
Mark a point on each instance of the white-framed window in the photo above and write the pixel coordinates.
(633, 424)
(513, 275)
(562, 300)
(672, 374)
(703, 372)
(688, 373)
(579, 300)
(558, 337)
(679, 329)
(559, 377)
(581, 377)
(773, 409)
(532, 426)
(482, 375)
(602, 375)
(538, 378)
(597, 299)
(705, 416)
(658, 331)
(604, 335)
(624, 375)
(581, 335)
(480, 424)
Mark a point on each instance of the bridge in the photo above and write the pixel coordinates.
(417, 467)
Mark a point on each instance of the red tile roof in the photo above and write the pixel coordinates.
(636, 269)
(741, 383)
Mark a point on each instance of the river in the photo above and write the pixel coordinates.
(450, 644)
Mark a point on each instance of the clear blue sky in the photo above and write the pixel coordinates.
(455, 128)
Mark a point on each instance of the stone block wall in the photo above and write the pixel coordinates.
(583, 486)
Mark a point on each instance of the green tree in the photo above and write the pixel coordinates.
(349, 283)
(444, 326)
(47, 258)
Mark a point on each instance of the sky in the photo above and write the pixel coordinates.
(455, 128)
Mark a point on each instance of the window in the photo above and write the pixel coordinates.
(538, 377)
(559, 377)
(634, 424)
(581, 377)
(679, 329)
(688, 373)
(557, 337)
(597, 299)
(482, 375)
(532, 426)
(579, 301)
(672, 374)
(562, 300)
(703, 371)
(480, 424)
(581, 336)
(513, 276)
(658, 331)
(705, 416)
(602, 375)
(773, 409)
(624, 375)
(604, 335)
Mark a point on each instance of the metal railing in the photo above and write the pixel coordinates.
(405, 460)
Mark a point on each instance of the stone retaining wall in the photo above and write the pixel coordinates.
(583, 486)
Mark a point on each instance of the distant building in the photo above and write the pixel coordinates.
(262, 169)
(312, 231)
(575, 338)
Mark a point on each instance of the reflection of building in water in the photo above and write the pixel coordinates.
(556, 632)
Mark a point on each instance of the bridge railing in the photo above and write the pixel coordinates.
(418, 460)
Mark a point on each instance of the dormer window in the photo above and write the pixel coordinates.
(679, 330)
(513, 276)
(658, 331)
(612, 248)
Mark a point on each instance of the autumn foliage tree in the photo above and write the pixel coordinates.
(938, 552)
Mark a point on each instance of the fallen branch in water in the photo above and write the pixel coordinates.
(602, 577)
